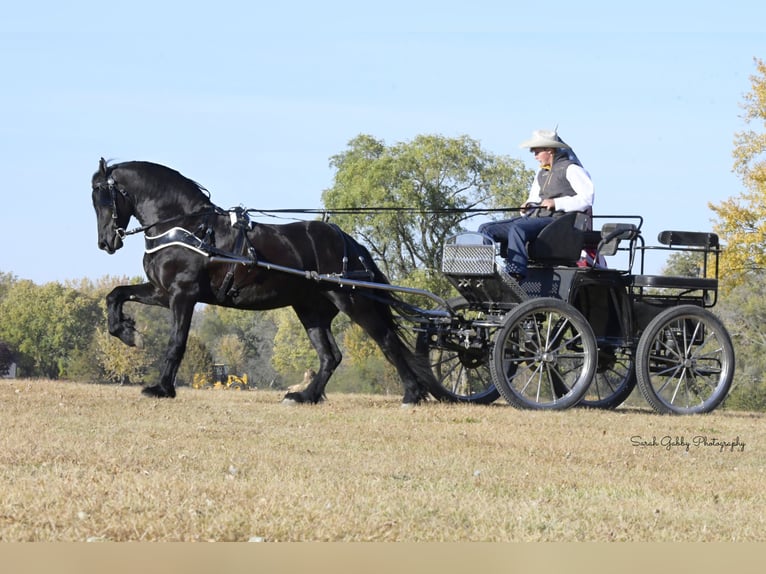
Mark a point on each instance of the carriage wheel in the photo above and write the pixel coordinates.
(463, 374)
(545, 355)
(615, 378)
(685, 361)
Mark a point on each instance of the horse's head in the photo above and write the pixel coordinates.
(113, 210)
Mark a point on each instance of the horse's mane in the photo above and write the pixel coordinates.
(161, 175)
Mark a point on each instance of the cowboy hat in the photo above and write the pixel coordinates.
(544, 139)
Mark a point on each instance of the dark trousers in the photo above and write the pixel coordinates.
(517, 232)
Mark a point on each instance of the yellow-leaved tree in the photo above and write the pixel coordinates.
(741, 220)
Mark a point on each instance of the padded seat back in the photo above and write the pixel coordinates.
(562, 241)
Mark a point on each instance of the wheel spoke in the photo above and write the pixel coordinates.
(544, 355)
(686, 361)
(459, 356)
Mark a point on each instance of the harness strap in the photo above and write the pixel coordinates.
(241, 222)
(366, 275)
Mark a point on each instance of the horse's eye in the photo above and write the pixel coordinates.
(102, 197)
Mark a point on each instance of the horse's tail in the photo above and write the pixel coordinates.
(386, 301)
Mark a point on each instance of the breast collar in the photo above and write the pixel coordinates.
(177, 236)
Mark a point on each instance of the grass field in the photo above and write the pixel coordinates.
(101, 463)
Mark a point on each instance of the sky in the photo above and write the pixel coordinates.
(252, 99)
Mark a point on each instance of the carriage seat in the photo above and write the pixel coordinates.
(561, 242)
(705, 243)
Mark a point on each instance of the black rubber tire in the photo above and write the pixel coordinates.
(545, 355)
(685, 361)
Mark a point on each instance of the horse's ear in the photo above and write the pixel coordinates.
(102, 166)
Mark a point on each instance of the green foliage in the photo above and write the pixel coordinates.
(44, 324)
(293, 353)
(365, 370)
(435, 178)
(374, 376)
(232, 352)
(684, 264)
(241, 339)
(117, 362)
(6, 282)
(153, 323)
(197, 359)
(743, 312)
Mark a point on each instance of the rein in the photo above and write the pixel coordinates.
(326, 213)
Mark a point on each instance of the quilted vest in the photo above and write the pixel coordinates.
(553, 182)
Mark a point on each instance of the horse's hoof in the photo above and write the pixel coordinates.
(128, 335)
(299, 399)
(407, 406)
(158, 392)
(293, 399)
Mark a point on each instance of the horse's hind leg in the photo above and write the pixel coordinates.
(410, 372)
(317, 323)
(414, 371)
(122, 326)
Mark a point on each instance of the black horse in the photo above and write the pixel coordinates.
(197, 252)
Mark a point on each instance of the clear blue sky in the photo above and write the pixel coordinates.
(252, 98)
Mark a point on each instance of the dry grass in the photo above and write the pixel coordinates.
(82, 462)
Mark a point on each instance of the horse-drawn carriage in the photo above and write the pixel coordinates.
(569, 334)
(580, 333)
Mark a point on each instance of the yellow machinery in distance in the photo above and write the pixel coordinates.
(220, 378)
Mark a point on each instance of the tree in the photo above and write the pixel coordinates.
(743, 311)
(293, 353)
(232, 352)
(197, 359)
(6, 282)
(426, 190)
(742, 220)
(108, 359)
(372, 373)
(45, 324)
(684, 264)
(6, 359)
(425, 187)
(119, 363)
(253, 332)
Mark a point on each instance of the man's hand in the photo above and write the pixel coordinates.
(548, 204)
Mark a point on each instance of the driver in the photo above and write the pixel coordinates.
(561, 185)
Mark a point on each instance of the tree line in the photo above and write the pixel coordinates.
(59, 330)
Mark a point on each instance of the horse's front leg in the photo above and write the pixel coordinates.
(182, 308)
(123, 326)
(317, 321)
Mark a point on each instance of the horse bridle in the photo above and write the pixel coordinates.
(113, 189)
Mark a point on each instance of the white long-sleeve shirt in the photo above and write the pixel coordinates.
(582, 185)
